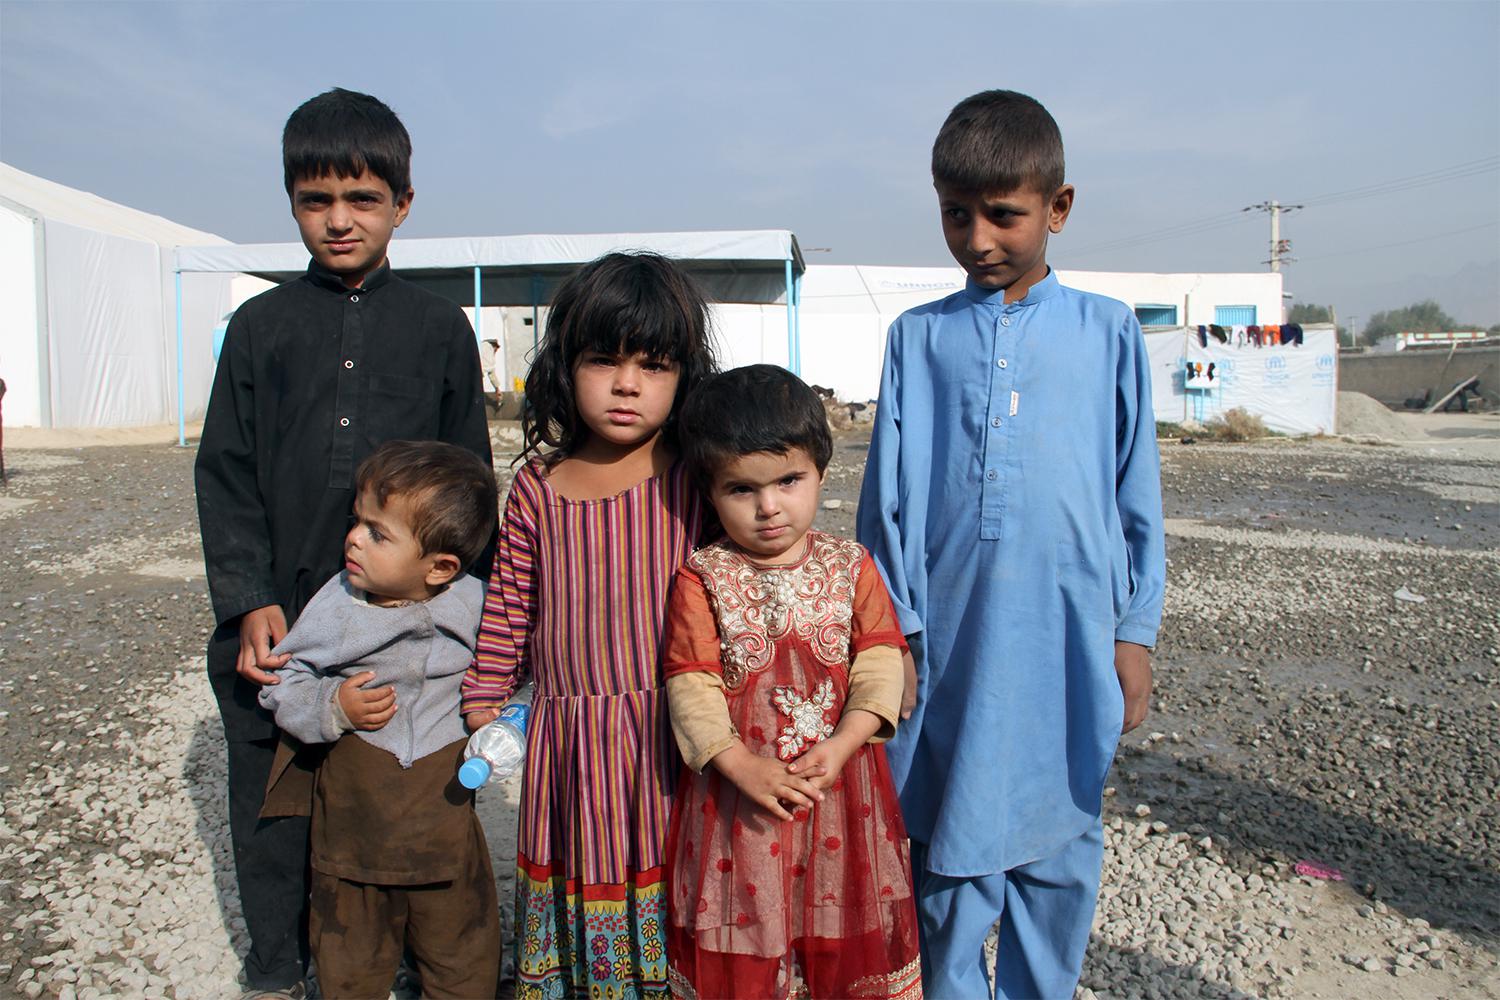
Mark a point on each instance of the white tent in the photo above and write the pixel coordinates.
(88, 319)
(757, 267)
(845, 311)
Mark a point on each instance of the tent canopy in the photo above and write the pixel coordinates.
(734, 266)
(740, 266)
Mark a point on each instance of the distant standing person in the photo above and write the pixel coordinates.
(315, 374)
(1014, 504)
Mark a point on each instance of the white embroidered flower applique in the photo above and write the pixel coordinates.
(809, 718)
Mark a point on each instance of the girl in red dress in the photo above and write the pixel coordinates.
(788, 868)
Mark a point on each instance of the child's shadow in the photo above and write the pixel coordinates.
(205, 776)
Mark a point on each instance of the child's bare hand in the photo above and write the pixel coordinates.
(367, 710)
(260, 631)
(478, 720)
(821, 765)
(1133, 665)
(909, 685)
(766, 782)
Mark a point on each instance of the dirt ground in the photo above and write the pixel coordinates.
(1327, 690)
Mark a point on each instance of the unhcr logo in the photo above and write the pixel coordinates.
(1276, 373)
(1325, 373)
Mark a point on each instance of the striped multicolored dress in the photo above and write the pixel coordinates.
(577, 601)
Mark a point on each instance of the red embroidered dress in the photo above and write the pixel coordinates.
(820, 906)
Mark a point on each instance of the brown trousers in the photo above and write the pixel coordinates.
(358, 931)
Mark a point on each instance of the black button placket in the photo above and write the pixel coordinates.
(346, 415)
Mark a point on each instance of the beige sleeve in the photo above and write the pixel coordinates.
(700, 716)
(875, 682)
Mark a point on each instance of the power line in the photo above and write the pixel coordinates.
(1157, 235)
(1457, 171)
(1402, 243)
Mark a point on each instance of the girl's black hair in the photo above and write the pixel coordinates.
(631, 303)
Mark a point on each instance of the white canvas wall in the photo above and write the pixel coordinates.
(1292, 389)
(88, 331)
(19, 364)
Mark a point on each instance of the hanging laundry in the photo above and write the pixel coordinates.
(1202, 336)
(1253, 333)
(1219, 333)
(1273, 334)
(1238, 335)
(1291, 333)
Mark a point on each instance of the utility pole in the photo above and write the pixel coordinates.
(1280, 248)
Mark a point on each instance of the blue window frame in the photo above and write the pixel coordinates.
(1154, 314)
(1234, 315)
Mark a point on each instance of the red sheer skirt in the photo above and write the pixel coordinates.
(820, 906)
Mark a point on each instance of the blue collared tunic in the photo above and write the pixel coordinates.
(1012, 498)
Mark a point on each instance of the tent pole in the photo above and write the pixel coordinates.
(536, 295)
(797, 320)
(181, 406)
(478, 321)
(791, 321)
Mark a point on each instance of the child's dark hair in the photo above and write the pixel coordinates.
(752, 409)
(631, 303)
(998, 140)
(343, 132)
(449, 490)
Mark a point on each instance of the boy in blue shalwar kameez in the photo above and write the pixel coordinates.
(1013, 500)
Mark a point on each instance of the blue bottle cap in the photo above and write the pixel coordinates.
(474, 772)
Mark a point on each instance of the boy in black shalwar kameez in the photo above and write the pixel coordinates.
(315, 374)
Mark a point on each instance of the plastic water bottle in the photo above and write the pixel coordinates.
(496, 750)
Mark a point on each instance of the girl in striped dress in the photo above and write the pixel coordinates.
(592, 532)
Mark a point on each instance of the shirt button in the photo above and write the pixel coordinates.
(355, 298)
(348, 364)
(344, 422)
(990, 475)
(1005, 321)
(995, 422)
(1001, 362)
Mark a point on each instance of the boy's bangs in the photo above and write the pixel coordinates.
(983, 171)
(343, 164)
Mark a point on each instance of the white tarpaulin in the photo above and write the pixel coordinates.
(1292, 388)
(88, 321)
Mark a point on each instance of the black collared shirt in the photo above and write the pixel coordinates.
(313, 377)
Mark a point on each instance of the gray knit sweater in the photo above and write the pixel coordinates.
(421, 649)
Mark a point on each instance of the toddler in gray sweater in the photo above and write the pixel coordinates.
(377, 658)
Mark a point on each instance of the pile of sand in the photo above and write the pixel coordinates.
(1361, 416)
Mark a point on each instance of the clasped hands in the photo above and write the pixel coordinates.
(779, 787)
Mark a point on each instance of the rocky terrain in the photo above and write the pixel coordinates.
(1327, 698)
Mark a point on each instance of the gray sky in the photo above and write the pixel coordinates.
(1384, 118)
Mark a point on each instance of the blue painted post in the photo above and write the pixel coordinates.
(536, 296)
(181, 381)
(791, 321)
(797, 321)
(478, 320)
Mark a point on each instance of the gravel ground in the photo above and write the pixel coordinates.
(1304, 712)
